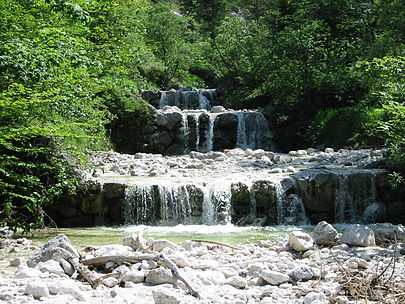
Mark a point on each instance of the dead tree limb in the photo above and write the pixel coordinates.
(176, 273)
(99, 261)
(216, 243)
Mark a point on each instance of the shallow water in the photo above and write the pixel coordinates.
(82, 237)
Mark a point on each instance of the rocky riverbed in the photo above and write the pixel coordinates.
(321, 267)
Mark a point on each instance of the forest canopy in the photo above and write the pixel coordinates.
(332, 73)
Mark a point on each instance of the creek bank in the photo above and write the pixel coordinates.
(290, 271)
(236, 186)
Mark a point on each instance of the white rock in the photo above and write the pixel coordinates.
(236, 281)
(25, 272)
(329, 150)
(51, 266)
(300, 241)
(163, 295)
(325, 234)
(274, 277)
(67, 287)
(159, 245)
(210, 277)
(110, 282)
(37, 289)
(112, 249)
(315, 298)
(67, 267)
(358, 235)
(302, 153)
(159, 276)
(179, 259)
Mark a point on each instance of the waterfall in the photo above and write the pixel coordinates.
(167, 204)
(185, 100)
(354, 194)
(253, 132)
(101, 204)
(209, 134)
(186, 133)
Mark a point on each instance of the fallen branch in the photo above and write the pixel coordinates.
(102, 260)
(216, 243)
(176, 273)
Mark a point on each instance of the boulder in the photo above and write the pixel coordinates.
(51, 250)
(25, 272)
(358, 235)
(315, 298)
(325, 234)
(134, 276)
(300, 241)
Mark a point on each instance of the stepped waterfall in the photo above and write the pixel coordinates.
(210, 165)
(225, 171)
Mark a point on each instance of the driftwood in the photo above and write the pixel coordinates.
(161, 258)
(102, 260)
(216, 243)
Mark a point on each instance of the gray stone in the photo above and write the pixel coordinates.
(37, 289)
(358, 235)
(274, 277)
(134, 276)
(159, 276)
(325, 234)
(301, 273)
(159, 245)
(16, 262)
(300, 241)
(132, 241)
(52, 250)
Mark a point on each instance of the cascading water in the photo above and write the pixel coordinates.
(185, 100)
(253, 131)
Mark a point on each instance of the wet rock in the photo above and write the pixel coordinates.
(358, 235)
(300, 241)
(325, 234)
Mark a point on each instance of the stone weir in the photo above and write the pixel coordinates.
(242, 187)
(192, 120)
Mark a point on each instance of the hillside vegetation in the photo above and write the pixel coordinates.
(331, 71)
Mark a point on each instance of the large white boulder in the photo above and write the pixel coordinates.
(358, 235)
(37, 289)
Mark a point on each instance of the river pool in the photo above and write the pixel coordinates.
(81, 237)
